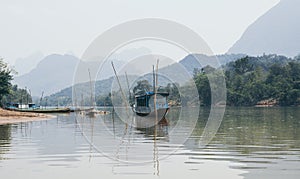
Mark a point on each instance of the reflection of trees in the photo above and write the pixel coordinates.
(250, 130)
(5, 132)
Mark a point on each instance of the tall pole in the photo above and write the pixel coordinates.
(153, 79)
(123, 95)
(155, 151)
(128, 87)
(92, 101)
(156, 78)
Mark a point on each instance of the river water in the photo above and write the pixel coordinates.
(250, 143)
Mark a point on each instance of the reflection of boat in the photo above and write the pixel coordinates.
(158, 131)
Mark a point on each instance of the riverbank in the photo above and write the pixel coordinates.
(9, 117)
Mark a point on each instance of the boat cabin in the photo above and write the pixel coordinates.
(144, 104)
(21, 106)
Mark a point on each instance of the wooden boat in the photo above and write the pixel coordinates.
(144, 104)
(151, 104)
(91, 112)
(150, 107)
(40, 110)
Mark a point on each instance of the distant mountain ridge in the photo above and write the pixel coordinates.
(103, 87)
(26, 64)
(190, 62)
(276, 32)
(54, 72)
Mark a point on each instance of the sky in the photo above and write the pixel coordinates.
(69, 26)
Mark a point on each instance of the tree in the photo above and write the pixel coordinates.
(242, 66)
(17, 95)
(172, 89)
(203, 86)
(5, 79)
(141, 87)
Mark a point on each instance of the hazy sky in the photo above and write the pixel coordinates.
(60, 26)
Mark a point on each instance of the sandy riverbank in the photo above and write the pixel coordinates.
(9, 117)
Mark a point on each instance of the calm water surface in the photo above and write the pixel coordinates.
(250, 143)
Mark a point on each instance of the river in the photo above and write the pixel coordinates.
(250, 143)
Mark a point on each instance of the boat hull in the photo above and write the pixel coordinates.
(151, 119)
(38, 110)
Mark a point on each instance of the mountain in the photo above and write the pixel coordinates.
(26, 64)
(53, 73)
(173, 72)
(190, 62)
(56, 72)
(276, 32)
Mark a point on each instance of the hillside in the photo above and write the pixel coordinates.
(276, 32)
(238, 73)
(53, 73)
(103, 87)
(26, 64)
(56, 72)
(190, 62)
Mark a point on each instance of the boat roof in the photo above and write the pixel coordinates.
(151, 93)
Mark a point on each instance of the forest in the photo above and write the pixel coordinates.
(271, 80)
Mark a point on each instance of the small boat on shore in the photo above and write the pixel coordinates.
(33, 108)
(47, 110)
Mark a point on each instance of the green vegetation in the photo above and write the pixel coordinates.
(10, 93)
(17, 95)
(104, 100)
(251, 80)
(5, 79)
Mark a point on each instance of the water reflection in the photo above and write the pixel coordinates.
(264, 140)
(5, 131)
(251, 143)
(110, 136)
(157, 132)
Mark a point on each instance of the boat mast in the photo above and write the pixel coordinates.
(153, 79)
(154, 85)
(156, 161)
(156, 76)
(128, 88)
(92, 102)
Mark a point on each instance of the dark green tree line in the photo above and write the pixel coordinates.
(10, 93)
(5, 79)
(250, 80)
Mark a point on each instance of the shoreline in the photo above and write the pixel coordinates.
(11, 117)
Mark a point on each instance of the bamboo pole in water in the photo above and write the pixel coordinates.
(122, 92)
(126, 105)
(155, 150)
(92, 105)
